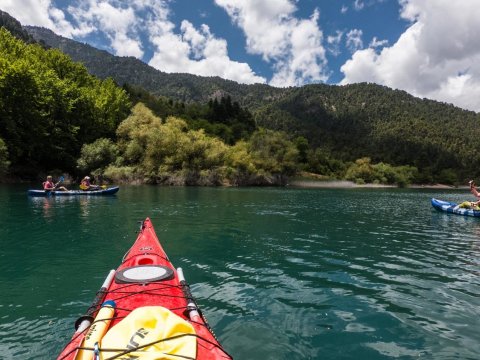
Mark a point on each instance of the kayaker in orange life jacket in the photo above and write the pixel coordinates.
(475, 193)
(86, 185)
(49, 185)
(475, 205)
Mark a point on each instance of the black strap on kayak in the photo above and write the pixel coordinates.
(187, 295)
(128, 351)
(123, 292)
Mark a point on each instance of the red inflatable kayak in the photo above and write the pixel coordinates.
(144, 310)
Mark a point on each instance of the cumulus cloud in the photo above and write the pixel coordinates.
(293, 46)
(198, 52)
(116, 22)
(438, 56)
(40, 13)
(192, 50)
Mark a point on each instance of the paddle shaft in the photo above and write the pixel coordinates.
(84, 322)
(59, 181)
(191, 305)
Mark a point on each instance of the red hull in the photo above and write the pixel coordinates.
(147, 252)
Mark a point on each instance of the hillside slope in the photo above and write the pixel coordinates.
(183, 87)
(347, 122)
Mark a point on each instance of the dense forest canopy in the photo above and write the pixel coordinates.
(166, 151)
(50, 106)
(55, 115)
(359, 120)
(220, 117)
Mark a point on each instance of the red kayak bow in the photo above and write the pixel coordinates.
(144, 310)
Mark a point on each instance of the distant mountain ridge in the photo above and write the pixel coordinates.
(179, 86)
(16, 28)
(346, 122)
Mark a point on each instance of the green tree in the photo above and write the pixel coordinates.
(50, 106)
(319, 161)
(241, 169)
(302, 146)
(95, 157)
(273, 152)
(4, 162)
(363, 171)
(134, 133)
(162, 151)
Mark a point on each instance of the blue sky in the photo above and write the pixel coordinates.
(429, 48)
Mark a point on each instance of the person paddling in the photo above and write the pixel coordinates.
(475, 205)
(50, 186)
(86, 185)
(473, 189)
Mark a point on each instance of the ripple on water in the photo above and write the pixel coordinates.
(24, 338)
(279, 273)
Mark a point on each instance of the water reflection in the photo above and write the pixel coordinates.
(86, 206)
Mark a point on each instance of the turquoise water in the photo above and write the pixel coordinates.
(279, 273)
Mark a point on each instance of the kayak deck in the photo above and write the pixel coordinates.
(44, 193)
(146, 282)
(453, 208)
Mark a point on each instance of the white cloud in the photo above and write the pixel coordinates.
(437, 57)
(293, 46)
(375, 43)
(38, 12)
(358, 5)
(116, 22)
(198, 52)
(334, 42)
(354, 40)
(192, 50)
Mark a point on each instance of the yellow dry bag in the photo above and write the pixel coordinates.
(151, 333)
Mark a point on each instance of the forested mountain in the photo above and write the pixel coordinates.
(129, 70)
(332, 126)
(386, 125)
(55, 117)
(15, 28)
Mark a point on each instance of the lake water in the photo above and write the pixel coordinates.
(280, 273)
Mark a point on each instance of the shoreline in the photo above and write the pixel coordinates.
(344, 184)
(297, 183)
